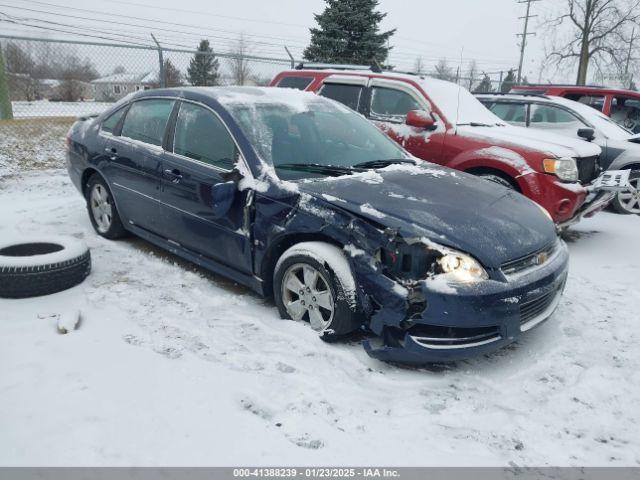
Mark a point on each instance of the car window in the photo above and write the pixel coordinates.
(392, 104)
(146, 121)
(514, 113)
(348, 95)
(299, 83)
(594, 101)
(625, 111)
(202, 136)
(554, 118)
(110, 123)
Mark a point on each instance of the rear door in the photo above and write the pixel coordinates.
(134, 160)
(350, 90)
(203, 154)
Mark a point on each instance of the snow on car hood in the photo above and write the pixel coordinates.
(551, 144)
(490, 222)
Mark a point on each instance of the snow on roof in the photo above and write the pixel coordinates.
(145, 77)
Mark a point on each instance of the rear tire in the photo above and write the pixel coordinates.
(307, 288)
(102, 209)
(626, 203)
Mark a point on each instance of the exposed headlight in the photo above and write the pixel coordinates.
(563, 168)
(460, 267)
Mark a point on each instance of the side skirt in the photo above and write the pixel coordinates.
(254, 283)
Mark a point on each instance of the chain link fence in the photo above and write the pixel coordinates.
(45, 84)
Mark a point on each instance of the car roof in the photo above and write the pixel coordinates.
(586, 89)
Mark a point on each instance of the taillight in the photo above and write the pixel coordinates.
(68, 139)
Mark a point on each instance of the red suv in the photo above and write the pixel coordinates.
(443, 123)
(623, 106)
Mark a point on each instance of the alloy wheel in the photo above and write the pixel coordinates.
(306, 295)
(101, 208)
(630, 200)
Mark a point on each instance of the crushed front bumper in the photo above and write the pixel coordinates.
(473, 319)
(601, 192)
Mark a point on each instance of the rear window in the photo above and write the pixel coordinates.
(299, 83)
(146, 121)
(348, 95)
(110, 123)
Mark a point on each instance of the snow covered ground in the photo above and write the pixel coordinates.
(171, 365)
(44, 108)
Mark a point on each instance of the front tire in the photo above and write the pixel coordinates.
(307, 288)
(626, 202)
(103, 212)
(491, 177)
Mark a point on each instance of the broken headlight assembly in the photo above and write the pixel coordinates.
(419, 260)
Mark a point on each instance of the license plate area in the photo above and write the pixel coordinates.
(613, 181)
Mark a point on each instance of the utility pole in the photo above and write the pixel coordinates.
(524, 35)
(161, 62)
(6, 113)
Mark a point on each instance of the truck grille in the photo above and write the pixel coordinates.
(588, 169)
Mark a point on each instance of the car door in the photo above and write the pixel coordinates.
(388, 106)
(200, 161)
(134, 157)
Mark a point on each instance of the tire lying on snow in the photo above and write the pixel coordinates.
(38, 266)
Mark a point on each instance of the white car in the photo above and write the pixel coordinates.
(620, 147)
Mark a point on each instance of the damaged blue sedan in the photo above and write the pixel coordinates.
(300, 198)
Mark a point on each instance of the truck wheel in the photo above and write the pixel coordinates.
(41, 266)
(306, 287)
(628, 202)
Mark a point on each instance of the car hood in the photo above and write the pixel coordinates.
(486, 220)
(551, 144)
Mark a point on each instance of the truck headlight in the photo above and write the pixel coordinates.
(461, 267)
(565, 169)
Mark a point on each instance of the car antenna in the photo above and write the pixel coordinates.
(459, 89)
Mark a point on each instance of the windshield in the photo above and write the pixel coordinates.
(458, 104)
(319, 139)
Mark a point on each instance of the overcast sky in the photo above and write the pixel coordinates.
(484, 30)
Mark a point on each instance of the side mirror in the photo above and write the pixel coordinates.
(421, 119)
(587, 133)
(222, 197)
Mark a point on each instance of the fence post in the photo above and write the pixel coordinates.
(161, 61)
(6, 112)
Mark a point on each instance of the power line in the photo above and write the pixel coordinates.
(524, 35)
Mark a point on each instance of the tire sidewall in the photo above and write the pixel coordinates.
(116, 229)
(345, 319)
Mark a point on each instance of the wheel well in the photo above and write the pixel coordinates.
(632, 166)
(86, 175)
(275, 252)
(496, 172)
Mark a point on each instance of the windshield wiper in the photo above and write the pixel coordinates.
(477, 124)
(336, 170)
(383, 163)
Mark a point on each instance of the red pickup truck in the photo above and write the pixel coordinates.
(443, 123)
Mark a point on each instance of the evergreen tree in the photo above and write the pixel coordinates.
(172, 76)
(203, 67)
(485, 85)
(508, 82)
(348, 32)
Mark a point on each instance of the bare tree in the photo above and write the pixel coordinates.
(418, 66)
(443, 70)
(599, 32)
(472, 73)
(240, 72)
